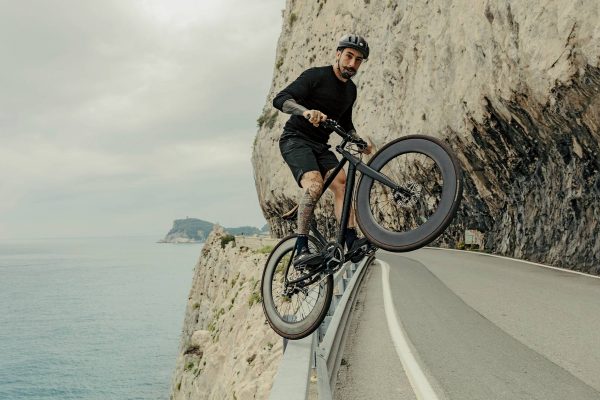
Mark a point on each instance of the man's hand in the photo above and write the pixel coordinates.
(315, 117)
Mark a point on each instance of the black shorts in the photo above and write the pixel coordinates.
(304, 156)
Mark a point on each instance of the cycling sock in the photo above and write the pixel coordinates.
(350, 236)
(301, 243)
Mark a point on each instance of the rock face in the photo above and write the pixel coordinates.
(513, 87)
(227, 351)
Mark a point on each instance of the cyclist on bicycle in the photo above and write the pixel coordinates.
(317, 94)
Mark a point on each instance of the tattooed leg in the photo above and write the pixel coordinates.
(312, 183)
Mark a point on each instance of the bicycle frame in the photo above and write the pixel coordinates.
(417, 175)
(355, 164)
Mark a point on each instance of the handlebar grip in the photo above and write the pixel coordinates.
(329, 123)
(334, 125)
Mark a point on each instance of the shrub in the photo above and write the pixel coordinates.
(212, 326)
(254, 298)
(265, 249)
(226, 239)
(234, 280)
(267, 119)
(279, 63)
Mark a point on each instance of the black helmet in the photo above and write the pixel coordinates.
(354, 42)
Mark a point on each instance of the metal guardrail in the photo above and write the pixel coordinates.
(323, 349)
(293, 375)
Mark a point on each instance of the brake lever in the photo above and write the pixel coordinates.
(361, 145)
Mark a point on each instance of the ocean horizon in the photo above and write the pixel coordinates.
(91, 318)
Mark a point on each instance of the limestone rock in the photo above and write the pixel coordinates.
(200, 337)
(224, 326)
(513, 87)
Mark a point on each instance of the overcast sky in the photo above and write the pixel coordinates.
(117, 117)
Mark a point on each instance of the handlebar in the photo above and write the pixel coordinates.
(336, 127)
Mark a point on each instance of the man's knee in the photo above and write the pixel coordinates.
(339, 182)
(313, 182)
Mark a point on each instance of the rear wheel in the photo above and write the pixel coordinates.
(423, 202)
(294, 310)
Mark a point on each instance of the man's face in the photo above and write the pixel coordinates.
(349, 61)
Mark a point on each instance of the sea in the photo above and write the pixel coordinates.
(91, 318)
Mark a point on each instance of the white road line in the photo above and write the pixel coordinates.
(416, 377)
(517, 260)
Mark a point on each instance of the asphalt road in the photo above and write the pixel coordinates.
(479, 327)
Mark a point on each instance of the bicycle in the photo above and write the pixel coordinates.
(408, 194)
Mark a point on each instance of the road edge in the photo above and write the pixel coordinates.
(417, 378)
(517, 260)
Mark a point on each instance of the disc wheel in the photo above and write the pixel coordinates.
(294, 310)
(427, 193)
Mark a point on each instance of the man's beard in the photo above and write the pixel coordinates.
(345, 72)
(348, 73)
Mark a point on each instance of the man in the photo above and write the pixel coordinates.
(317, 94)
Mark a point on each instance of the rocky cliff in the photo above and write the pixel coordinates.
(227, 349)
(513, 87)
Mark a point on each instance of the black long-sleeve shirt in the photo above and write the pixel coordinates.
(318, 89)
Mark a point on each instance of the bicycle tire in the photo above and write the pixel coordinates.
(430, 172)
(291, 325)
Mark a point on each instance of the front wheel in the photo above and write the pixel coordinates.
(294, 302)
(427, 192)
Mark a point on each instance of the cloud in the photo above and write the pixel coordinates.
(137, 98)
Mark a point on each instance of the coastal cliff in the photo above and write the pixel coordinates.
(512, 87)
(227, 350)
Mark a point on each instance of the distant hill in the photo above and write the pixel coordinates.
(244, 230)
(191, 230)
